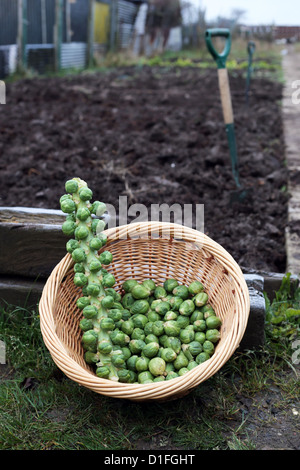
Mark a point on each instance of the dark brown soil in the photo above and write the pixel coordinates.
(155, 136)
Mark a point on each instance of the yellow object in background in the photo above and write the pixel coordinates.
(101, 22)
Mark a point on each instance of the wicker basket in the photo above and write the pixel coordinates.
(158, 251)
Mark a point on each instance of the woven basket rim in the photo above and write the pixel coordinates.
(155, 390)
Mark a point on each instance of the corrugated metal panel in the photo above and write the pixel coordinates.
(126, 18)
(8, 21)
(73, 55)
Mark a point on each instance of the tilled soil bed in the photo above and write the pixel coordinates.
(156, 136)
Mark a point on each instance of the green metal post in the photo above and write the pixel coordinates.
(22, 35)
(58, 28)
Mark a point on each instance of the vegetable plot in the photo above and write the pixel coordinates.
(145, 333)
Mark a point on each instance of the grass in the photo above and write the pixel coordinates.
(42, 409)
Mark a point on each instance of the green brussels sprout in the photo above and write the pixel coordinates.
(106, 257)
(171, 328)
(138, 333)
(129, 284)
(67, 206)
(94, 266)
(98, 208)
(196, 315)
(187, 335)
(97, 227)
(170, 284)
(169, 367)
(124, 375)
(195, 287)
(175, 303)
(89, 338)
(157, 366)
(199, 325)
(145, 377)
(208, 347)
(213, 322)
(140, 320)
(182, 321)
(150, 349)
(192, 365)
(91, 357)
(213, 335)
(127, 327)
(168, 354)
(171, 375)
(162, 307)
(71, 186)
(79, 268)
(103, 372)
(174, 343)
(83, 214)
(85, 194)
(140, 306)
(148, 328)
(71, 245)
(93, 289)
(158, 328)
(81, 232)
(119, 338)
(149, 284)
(200, 299)
(151, 339)
(128, 300)
(68, 227)
(186, 352)
(159, 378)
(126, 315)
(117, 358)
(95, 243)
(80, 279)
(181, 291)
(142, 364)
(195, 348)
(86, 324)
(133, 377)
(153, 316)
(159, 293)
(90, 311)
(78, 255)
(200, 337)
(202, 357)
(170, 316)
(187, 307)
(82, 302)
(107, 301)
(115, 313)
(182, 371)
(131, 362)
(126, 352)
(105, 347)
(180, 361)
(136, 346)
(107, 324)
(140, 292)
(108, 280)
(207, 308)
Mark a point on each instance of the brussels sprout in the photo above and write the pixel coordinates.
(195, 348)
(86, 324)
(171, 328)
(67, 205)
(186, 352)
(208, 347)
(124, 375)
(71, 186)
(85, 194)
(151, 339)
(89, 339)
(129, 284)
(81, 232)
(174, 343)
(98, 208)
(107, 301)
(192, 365)
(153, 316)
(213, 322)
(94, 266)
(157, 366)
(195, 287)
(187, 307)
(180, 361)
(182, 371)
(106, 257)
(182, 321)
(82, 302)
(133, 377)
(149, 284)
(208, 309)
(93, 289)
(142, 364)
(107, 324)
(187, 335)
(119, 338)
(162, 307)
(196, 315)
(115, 314)
(90, 311)
(68, 227)
(140, 292)
(71, 245)
(127, 327)
(140, 306)
(159, 293)
(171, 375)
(126, 315)
(108, 280)
(91, 357)
(169, 367)
(170, 284)
(199, 325)
(97, 227)
(158, 328)
(103, 372)
(105, 346)
(140, 320)
(83, 214)
(148, 328)
(128, 300)
(159, 378)
(168, 354)
(150, 349)
(136, 346)
(131, 362)
(163, 340)
(170, 316)
(213, 335)
(175, 303)
(80, 279)
(181, 291)
(202, 357)
(200, 299)
(145, 377)
(118, 359)
(95, 243)
(138, 333)
(79, 268)
(200, 337)
(78, 255)
(126, 352)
